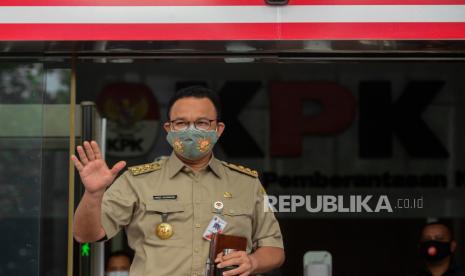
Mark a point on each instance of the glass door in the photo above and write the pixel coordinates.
(34, 154)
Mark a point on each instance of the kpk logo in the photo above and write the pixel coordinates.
(133, 118)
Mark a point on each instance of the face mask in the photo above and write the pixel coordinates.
(192, 143)
(433, 251)
(118, 273)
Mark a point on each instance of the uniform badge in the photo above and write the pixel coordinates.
(227, 195)
(145, 168)
(164, 231)
(218, 205)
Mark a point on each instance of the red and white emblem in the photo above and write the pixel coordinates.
(133, 118)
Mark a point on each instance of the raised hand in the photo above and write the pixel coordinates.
(93, 170)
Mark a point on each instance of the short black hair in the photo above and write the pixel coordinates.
(196, 91)
(441, 222)
(118, 253)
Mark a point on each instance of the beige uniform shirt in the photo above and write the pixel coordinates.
(131, 203)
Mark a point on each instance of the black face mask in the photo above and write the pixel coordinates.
(433, 251)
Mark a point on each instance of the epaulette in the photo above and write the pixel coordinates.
(145, 168)
(241, 169)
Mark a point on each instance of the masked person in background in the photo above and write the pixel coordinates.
(118, 264)
(170, 207)
(437, 247)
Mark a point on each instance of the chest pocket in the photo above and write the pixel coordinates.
(176, 217)
(238, 217)
(165, 206)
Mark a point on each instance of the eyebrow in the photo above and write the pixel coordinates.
(183, 118)
(434, 237)
(178, 118)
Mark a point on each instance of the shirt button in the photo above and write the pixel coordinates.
(197, 225)
(196, 250)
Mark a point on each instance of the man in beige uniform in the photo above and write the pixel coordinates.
(166, 206)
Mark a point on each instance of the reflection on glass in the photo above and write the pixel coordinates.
(21, 96)
(34, 139)
(54, 211)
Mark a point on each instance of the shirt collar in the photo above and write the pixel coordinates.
(215, 166)
(174, 165)
(450, 271)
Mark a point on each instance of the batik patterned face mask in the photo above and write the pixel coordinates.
(192, 143)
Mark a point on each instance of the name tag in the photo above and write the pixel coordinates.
(163, 197)
(216, 225)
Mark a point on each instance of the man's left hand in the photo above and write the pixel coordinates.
(247, 263)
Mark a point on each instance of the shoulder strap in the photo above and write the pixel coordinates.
(241, 169)
(145, 168)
